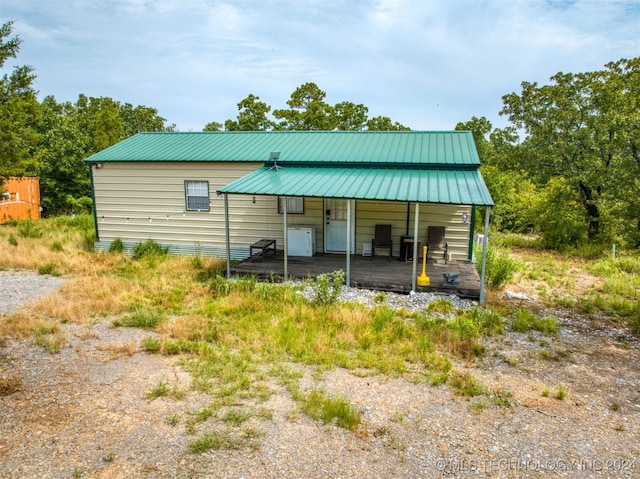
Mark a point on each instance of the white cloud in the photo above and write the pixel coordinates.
(423, 63)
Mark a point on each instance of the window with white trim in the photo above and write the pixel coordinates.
(295, 204)
(196, 195)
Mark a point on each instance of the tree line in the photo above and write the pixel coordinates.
(567, 167)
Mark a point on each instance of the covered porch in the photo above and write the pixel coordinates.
(377, 273)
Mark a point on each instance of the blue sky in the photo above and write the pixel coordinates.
(427, 64)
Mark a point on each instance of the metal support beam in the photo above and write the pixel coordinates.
(286, 244)
(226, 233)
(415, 247)
(484, 253)
(348, 275)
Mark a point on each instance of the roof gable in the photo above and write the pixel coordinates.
(451, 149)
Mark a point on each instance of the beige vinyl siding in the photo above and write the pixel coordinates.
(370, 213)
(128, 195)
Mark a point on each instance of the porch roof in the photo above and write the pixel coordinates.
(450, 186)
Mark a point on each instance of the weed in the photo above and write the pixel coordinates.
(466, 385)
(161, 389)
(116, 246)
(174, 419)
(148, 249)
(109, 457)
(546, 393)
(224, 440)
(56, 246)
(500, 267)
(12, 240)
(329, 409)
(441, 305)
(77, 472)
(380, 297)
(525, 321)
(561, 393)
(328, 286)
(145, 319)
(614, 406)
(48, 269)
(544, 354)
(50, 338)
(29, 229)
(619, 427)
(236, 417)
(501, 397)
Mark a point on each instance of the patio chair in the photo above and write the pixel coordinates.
(436, 240)
(382, 240)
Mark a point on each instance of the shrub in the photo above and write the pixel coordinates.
(116, 246)
(328, 286)
(500, 267)
(148, 249)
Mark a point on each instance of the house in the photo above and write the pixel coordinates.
(219, 193)
(19, 199)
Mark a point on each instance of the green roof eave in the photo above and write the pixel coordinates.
(453, 186)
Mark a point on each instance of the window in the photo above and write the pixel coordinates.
(295, 204)
(197, 195)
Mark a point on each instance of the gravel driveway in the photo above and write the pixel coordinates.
(83, 412)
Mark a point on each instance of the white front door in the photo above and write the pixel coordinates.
(335, 229)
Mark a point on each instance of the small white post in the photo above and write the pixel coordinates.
(613, 251)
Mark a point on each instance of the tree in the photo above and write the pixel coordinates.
(384, 123)
(577, 128)
(141, 118)
(307, 110)
(350, 116)
(252, 116)
(213, 126)
(64, 142)
(19, 112)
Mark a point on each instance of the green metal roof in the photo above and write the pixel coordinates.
(461, 187)
(334, 148)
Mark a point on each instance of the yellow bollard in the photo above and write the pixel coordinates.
(423, 279)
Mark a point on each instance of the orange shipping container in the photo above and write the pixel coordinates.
(20, 199)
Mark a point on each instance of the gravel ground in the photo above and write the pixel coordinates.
(83, 412)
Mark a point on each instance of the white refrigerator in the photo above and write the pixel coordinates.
(301, 240)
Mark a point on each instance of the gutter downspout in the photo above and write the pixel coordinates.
(472, 229)
(484, 254)
(226, 232)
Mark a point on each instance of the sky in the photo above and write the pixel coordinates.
(427, 64)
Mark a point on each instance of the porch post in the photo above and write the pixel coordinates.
(484, 253)
(348, 276)
(286, 246)
(226, 233)
(415, 247)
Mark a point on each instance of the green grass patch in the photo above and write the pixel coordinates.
(526, 320)
(331, 409)
(144, 319)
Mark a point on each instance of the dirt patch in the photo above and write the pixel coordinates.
(84, 412)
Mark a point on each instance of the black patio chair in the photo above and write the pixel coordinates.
(382, 240)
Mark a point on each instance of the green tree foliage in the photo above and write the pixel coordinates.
(72, 131)
(19, 112)
(583, 127)
(252, 116)
(307, 110)
(384, 123)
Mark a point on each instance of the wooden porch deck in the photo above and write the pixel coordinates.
(377, 273)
